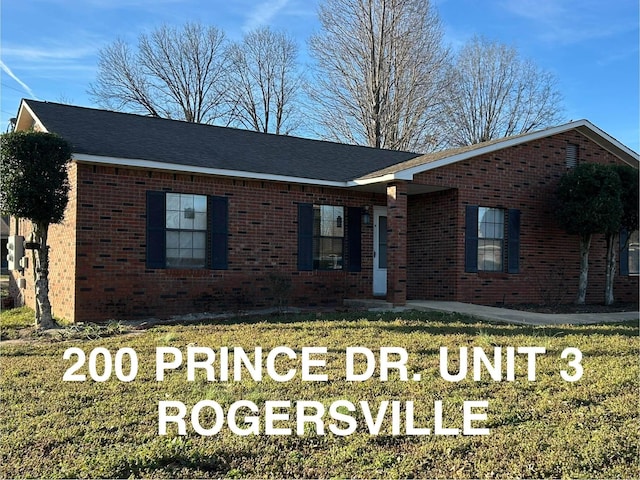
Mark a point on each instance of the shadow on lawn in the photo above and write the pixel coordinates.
(435, 323)
(175, 465)
(623, 329)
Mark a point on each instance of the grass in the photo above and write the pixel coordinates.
(14, 318)
(4, 285)
(20, 322)
(546, 428)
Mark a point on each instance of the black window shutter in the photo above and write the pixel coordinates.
(513, 241)
(219, 213)
(624, 253)
(471, 239)
(305, 236)
(156, 239)
(354, 238)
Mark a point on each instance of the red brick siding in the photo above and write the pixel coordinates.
(432, 245)
(113, 281)
(98, 270)
(523, 177)
(397, 243)
(62, 255)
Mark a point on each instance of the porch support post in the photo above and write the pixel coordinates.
(397, 243)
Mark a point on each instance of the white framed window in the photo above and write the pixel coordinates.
(328, 237)
(490, 239)
(186, 230)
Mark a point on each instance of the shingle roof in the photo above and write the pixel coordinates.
(127, 136)
(124, 136)
(408, 168)
(439, 155)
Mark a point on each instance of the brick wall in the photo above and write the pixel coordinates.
(524, 177)
(62, 255)
(397, 243)
(98, 270)
(432, 245)
(112, 280)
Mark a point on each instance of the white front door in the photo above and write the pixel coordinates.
(379, 251)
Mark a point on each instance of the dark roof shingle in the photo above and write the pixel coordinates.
(128, 136)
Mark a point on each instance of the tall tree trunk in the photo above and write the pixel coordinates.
(44, 319)
(585, 244)
(611, 269)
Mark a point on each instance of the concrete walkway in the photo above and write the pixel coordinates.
(500, 314)
(522, 317)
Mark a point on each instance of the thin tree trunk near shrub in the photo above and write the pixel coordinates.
(44, 318)
(585, 244)
(612, 241)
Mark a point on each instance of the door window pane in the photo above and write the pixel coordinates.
(382, 242)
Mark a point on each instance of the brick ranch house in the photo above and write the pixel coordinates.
(167, 217)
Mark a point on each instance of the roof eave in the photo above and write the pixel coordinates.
(609, 143)
(192, 169)
(27, 119)
(389, 177)
(584, 127)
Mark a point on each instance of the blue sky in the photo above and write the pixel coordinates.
(49, 47)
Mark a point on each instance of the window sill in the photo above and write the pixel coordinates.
(186, 272)
(502, 275)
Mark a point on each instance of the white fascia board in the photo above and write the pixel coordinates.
(390, 177)
(409, 173)
(173, 167)
(492, 148)
(24, 107)
(601, 134)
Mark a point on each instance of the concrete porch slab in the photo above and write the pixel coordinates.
(373, 305)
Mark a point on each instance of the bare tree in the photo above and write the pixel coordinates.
(265, 81)
(495, 93)
(172, 74)
(380, 66)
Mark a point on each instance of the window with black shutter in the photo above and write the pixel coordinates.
(629, 253)
(324, 234)
(492, 239)
(181, 226)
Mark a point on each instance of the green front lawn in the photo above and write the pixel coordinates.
(543, 428)
(14, 318)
